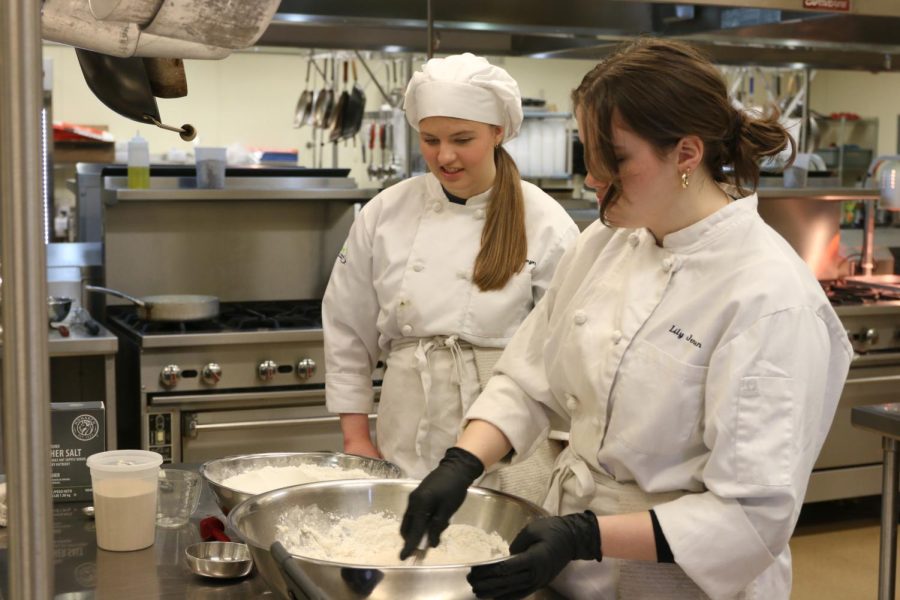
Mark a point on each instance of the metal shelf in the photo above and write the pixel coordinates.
(823, 194)
(201, 195)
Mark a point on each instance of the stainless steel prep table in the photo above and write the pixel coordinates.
(885, 419)
(84, 572)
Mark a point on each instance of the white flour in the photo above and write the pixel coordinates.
(269, 478)
(374, 539)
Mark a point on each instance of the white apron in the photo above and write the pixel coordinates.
(574, 487)
(428, 386)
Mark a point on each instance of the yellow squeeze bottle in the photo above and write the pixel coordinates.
(138, 163)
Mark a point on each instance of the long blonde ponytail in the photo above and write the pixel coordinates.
(504, 246)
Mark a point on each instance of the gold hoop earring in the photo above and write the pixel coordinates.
(685, 182)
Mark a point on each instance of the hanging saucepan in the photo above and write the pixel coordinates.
(356, 106)
(340, 111)
(170, 307)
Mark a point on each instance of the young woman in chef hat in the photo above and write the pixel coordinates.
(439, 271)
(692, 350)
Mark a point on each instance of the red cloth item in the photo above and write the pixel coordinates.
(213, 530)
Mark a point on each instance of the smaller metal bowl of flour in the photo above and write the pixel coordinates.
(215, 472)
(223, 560)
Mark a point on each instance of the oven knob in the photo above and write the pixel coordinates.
(869, 336)
(267, 370)
(306, 368)
(211, 373)
(170, 375)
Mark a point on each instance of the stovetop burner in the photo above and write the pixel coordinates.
(233, 316)
(842, 292)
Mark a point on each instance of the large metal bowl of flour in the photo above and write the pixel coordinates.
(218, 470)
(256, 522)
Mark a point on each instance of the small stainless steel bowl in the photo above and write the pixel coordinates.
(223, 560)
(58, 307)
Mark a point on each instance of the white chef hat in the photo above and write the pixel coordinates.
(464, 86)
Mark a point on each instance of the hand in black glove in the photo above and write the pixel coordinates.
(436, 499)
(540, 552)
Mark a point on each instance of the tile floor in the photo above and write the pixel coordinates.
(835, 550)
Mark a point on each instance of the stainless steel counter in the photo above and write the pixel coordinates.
(81, 343)
(82, 571)
(884, 419)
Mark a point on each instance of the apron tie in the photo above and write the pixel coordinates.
(568, 466)
(424, 348)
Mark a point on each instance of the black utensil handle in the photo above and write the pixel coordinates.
(300, 587)
(92, 327)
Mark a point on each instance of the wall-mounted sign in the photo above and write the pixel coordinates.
(836, 5)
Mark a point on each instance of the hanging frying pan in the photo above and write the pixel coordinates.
(305, 103)
(324, 103)
(122, 85)
(170, 307)
(356, 106)
(340, 111)
(166, 77)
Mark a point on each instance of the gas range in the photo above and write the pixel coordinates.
(869, 309)
(849, 463)
(260, 355)
(238, 322)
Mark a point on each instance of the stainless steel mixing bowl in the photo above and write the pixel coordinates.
(256, 522)
(218, 470)
(58, 307)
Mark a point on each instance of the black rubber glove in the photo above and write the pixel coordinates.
(436, 499)
(540, 552)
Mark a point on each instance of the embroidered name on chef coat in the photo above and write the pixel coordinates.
(677, 332)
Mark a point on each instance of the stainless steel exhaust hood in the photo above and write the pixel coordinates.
(757, 32)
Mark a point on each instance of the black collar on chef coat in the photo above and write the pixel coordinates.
(454, 199)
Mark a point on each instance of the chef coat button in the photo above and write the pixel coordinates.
(407, 329)
(571, 402)
(634, 239)
(596, 422)
(616, 336)
(418, 267)
(676, 263)
(579, 317)
(462, 275)
(438, 207)
(479, 213)
(667, 264)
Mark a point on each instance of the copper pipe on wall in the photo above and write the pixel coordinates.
(26, 363)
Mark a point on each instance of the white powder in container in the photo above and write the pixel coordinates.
(374, 539)
(125, 512)
(269, 478)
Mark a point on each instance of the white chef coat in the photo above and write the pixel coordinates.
(405, 273)
(710, 365)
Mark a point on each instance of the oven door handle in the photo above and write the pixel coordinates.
(194, 428)
(233, 397)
